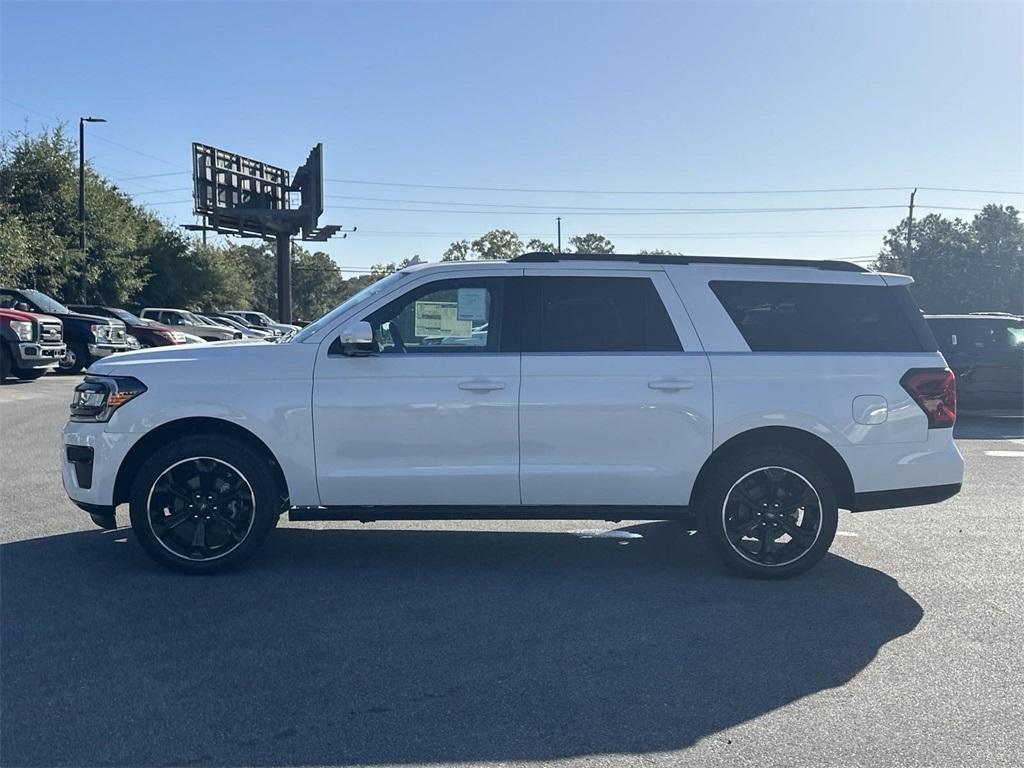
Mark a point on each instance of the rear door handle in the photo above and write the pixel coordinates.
(670, 385)
(479, 385)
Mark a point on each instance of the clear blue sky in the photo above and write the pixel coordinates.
(632, 97)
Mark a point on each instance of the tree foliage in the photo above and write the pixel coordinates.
(961, 266)
(591, 243)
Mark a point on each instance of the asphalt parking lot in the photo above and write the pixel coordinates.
(509, 643)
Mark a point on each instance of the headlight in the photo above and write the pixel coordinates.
(133, 343)
(22, 329)
(97, 397)
(100, 332)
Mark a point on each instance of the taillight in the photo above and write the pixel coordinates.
(934, 389)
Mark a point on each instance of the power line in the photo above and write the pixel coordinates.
(152, 176)
(139, 152)
(654, 212)
(823, 190)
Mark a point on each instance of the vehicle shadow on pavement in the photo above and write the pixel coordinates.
(414, 646)
(985, 428)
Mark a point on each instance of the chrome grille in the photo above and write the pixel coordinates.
(50, 332)
(117, 334)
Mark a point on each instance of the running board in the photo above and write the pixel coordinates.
(613, 513)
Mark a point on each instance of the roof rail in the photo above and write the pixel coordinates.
(547, 256)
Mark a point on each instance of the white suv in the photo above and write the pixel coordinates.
(760, 396)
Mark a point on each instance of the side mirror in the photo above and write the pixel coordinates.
(355, 340)
(21, 306)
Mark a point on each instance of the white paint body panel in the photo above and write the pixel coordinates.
(563, 429)
(398, 430)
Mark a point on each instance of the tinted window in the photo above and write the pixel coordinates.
(815, 317)
(443, 316)
(968, 335)
(596, 314)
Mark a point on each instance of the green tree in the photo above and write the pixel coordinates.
(460, 250)
(498, 244)
(959, 266)
(539, 245)
(39, 188)
(658, 252)
(317, 284)
(591, 243)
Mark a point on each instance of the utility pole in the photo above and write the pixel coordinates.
(284, 277)
(559, 220)
(910, 229)
(81, 198)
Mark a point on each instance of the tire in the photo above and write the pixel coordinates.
(75, 358)
(30, 374)
(203, 481)
(5, 363)
(751, 502)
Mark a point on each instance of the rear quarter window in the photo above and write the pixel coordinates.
(824, 317)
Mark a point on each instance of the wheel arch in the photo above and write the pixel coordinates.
(173, 430)
(790, 437)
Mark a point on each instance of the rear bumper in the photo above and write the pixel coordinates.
(903, 497)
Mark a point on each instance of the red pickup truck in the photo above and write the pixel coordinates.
(30, 344)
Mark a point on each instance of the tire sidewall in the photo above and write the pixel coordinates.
(721, 481)
(233, 452)
(81, 358)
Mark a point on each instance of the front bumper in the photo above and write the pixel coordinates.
(90, 459)
(31, 354)
(102, 350)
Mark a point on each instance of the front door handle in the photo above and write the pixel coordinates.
(481, 385)
(670, 385)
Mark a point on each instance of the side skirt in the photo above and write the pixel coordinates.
(612, 513)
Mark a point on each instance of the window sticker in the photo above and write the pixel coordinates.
(472, 303)
(440, 318)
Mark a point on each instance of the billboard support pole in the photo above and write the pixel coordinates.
(284, 277)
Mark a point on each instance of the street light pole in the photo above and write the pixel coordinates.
(81, 196)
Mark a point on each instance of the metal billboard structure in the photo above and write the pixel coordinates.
(236, 195)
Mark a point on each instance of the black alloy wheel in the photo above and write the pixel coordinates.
(201, 508)
(768, 512)
(772, 516)
(205, 502)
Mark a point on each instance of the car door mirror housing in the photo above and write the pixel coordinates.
(355, 340)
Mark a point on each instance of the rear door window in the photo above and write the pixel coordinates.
(596, 314)
(819, 317)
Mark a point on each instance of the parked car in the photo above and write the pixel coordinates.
(146, 332)
(88, 337)
(187, 321)
(30, 345)
(986, 352)
(260, 321)
(759, 395)
(232, 322)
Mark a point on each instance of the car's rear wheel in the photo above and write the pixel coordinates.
(203, 504)
(769, 512)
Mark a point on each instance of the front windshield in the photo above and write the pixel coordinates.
(192, 319)
(128, 317)
(367, 293)
(45, 303)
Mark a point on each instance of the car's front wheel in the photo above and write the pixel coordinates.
(75, 358)
(203, 503)
(769, 512)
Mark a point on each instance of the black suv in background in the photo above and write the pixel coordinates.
(88, 337)
(986, 352)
